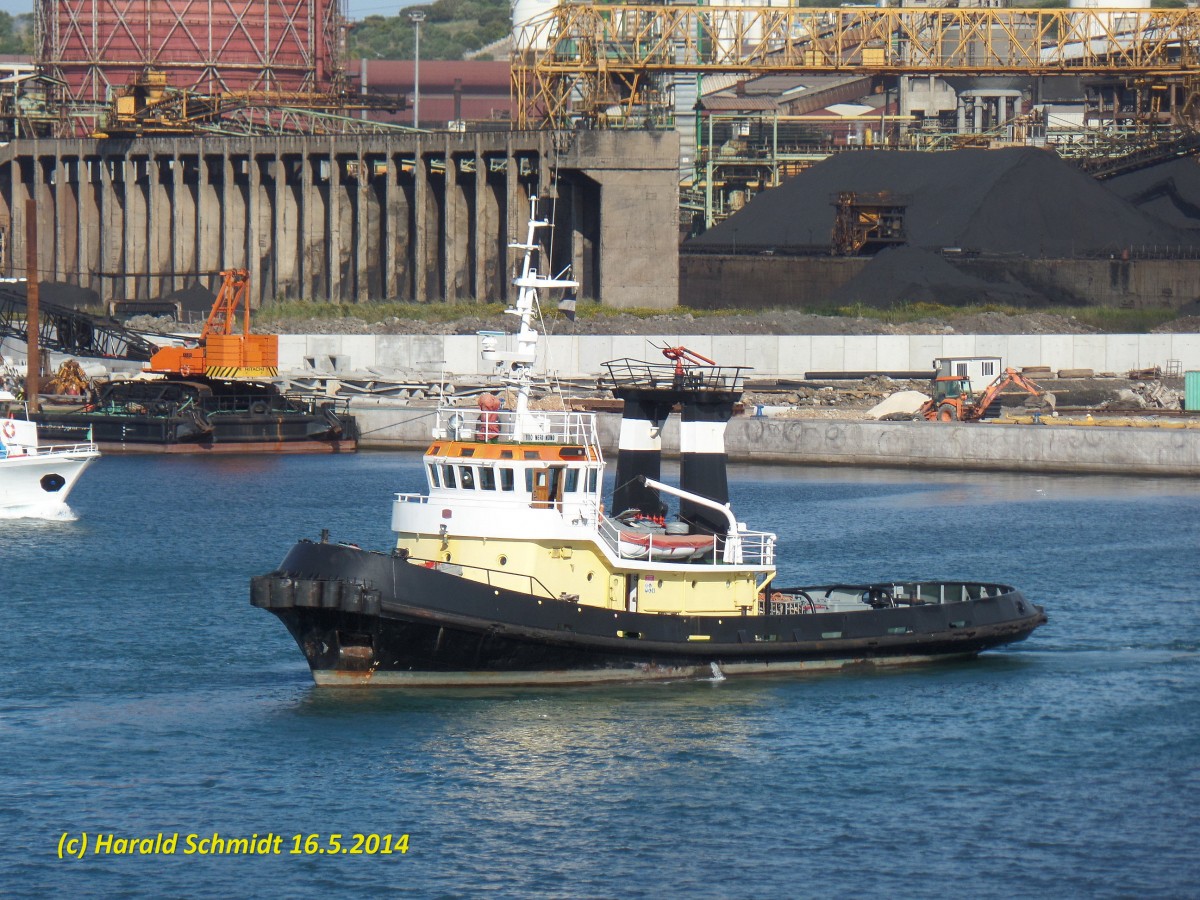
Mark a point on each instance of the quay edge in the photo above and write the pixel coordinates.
(920, 445)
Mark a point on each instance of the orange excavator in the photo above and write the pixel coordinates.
(953, 401)
(220, 353)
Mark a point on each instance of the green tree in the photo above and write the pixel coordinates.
(16, 33)
(451, 29)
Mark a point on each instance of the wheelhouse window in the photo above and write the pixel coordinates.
(468, 478)
(572, 484)
(448, 479)
(506, 479)
(591, 481)
(487, 478)
(434, 481)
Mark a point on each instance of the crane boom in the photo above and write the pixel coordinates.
(221, 353)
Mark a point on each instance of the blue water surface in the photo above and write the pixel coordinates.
(140, 694)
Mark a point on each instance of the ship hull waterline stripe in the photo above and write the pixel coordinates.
(383, 678)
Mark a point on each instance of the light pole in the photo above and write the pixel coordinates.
(416, 17)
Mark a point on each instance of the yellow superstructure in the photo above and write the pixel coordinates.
(528, 517)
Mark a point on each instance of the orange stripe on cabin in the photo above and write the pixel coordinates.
(512, 452)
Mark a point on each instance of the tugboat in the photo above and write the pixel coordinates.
(509, 571)
(36, 477)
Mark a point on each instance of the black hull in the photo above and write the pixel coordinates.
(205, 415)
(373, 618)
(233, 433)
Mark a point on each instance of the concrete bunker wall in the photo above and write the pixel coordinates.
(418, 217)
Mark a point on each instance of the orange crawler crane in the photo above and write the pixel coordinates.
(221, 353)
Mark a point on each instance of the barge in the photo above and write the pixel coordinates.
(201, 414)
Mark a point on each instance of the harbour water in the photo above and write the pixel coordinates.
(141, 695)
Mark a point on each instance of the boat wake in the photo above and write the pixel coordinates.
(48, 512)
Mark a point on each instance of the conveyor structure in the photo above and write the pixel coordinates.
(591, 63)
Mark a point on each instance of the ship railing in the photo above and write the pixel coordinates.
(755, 548)
(313, 404)
(46, 450)
(292, 403)
(504, 426)
(877, 595)
(636, 373)
(65, 449)
(494, 578)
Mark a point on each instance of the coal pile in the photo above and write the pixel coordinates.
(907, 275)
(58, 293)
(194, 298)
(1018, 202)
(1170, 192)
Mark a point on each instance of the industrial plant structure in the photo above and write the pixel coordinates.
(94, 49)
(176, 141)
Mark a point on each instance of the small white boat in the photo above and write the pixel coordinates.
(35, 478)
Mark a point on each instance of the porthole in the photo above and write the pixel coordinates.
(503, 560)
(590, 575)
(53, 483)
(447, 557)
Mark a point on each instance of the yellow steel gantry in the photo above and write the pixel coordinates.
(579, 59)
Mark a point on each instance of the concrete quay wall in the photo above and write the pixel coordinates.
(922, 445)
(771, 356)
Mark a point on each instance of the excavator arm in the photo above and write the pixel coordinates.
(1009, 377)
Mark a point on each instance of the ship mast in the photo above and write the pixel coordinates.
(525, 309)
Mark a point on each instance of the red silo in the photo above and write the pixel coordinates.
(209, 47)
